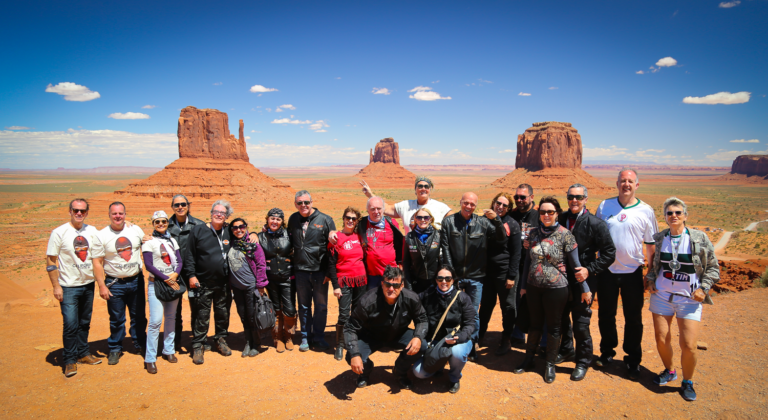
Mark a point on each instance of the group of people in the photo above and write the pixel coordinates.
(444, 273)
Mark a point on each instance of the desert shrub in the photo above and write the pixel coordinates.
(762, 281)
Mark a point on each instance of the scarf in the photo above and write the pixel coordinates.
(165, 235)
(277, 233)
(423, 234)
(244, 246)
(546, 231)
(447, 292)
(380, 225)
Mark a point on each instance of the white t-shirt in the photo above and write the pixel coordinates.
(407, 208)
(630, 227)
(122, 251)
(75, 250)
(685, 281)
(163, 254)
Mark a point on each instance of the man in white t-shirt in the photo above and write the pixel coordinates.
(407, 208)
(120, 261)
(632, 224)
(70, 268)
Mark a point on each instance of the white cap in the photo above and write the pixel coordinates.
(159, 215)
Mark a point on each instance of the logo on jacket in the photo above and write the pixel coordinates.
(318, 226)
(81, 247)
(225, 242)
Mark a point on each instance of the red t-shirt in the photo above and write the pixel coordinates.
(350, 269)
(381, 248)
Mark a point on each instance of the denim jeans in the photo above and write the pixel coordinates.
(456, 363)
(159, 310)
(374, 282)
(310, 288)
(130, 294)
(76, 309)
(474, 288)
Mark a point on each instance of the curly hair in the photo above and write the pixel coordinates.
(509, 198)
(351, 209)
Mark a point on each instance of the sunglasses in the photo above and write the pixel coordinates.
(80, 211)
(177, 205)
(422, 186)
(502, 205)
(423, 218)
(547, 212)
(351, 219)
(520, 197)
(445, 279)
(239, 227)
(576, 197)
(676, 213)
(160, 222)
(392, 285)
(303, 203)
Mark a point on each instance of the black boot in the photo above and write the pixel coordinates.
(339, 342)
(553, 347)
(248, 339)
(530, 352)
(255, 343)
(364, 379)
(527, 365)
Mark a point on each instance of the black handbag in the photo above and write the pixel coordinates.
(438, 353)
(264, 313)
(165, 293)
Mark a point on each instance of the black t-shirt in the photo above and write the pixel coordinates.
(528, 221)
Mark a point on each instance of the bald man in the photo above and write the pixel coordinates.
(464, 241)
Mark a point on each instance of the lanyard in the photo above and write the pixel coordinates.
(221, 244)
(675, 264)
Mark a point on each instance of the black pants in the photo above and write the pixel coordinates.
(348, 300)
(546, 305)
(581, 313)
(245, 303)
(631, 288)
(403, 361)
(179, 320)
(220, 299)
(494, 286)
(282, 293)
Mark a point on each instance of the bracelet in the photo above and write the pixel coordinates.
(51, 268)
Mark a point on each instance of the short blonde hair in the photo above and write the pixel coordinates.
(431, 222)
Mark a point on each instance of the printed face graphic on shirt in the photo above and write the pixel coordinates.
(164, 255)
(124, 248)
(81, 248)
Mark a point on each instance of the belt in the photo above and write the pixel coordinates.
(109, 280)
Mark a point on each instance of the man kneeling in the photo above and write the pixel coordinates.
(380, 320)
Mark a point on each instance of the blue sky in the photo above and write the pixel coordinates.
(497, 67)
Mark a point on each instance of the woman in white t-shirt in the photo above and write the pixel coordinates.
(163, 261)
(687, 269)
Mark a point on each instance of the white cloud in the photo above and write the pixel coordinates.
(554, 88)
(730, 155)
(73, 92)
(260, 88)
(338, 78)
(17, 127)
(148, 106)
(745, 141)
(423, 94)
(381, 91)
(290, 121)
(724, 98)
(597, 152)
(295, 155)
(729, 4)
(523, 94)
(484, 81)
(436, 81)
(218, 84)
(666, 62)
(247, 137)
(318, 126)
(639, 72)
(287, 106)
(85, 148)
(278, 109)
(128, 116)
(507, 151)
(268, 109)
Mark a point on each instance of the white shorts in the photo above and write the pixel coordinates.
(680, 307)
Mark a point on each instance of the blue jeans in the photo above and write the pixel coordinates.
(310, 288)
(130, 294)
(474, 288)
(76, 309)
(159, 310)
(374, 282)
(456, 363)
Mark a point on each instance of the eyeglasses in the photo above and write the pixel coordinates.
(676, 213)
(80, 211)
(351, 219)
(502, 205)
(218, 213)
(303, 203)
(239, 227)
(575, 197)
(160, 222)
(520, 197)
(177, 205)
(422, 186)
(445, 279)
(547, 212)
(423, 218)
(392, 285)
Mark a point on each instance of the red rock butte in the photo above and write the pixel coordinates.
(750, 168)
(549, 158)
(212, 163)
(384, 170)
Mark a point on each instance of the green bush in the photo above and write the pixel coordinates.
(762, 281)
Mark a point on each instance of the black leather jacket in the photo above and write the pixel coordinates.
(592, 236)
(461, 313)
(421, 261)
(504, 258)
(182, 234)
(278, 252)
(310, 250)
(465, 243)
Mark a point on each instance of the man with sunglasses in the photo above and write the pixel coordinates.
(69, 265)
(592, 237)
(180, 225)
(526, 215)
(464, 239)
(309, 230)
(380, 321)
(631, 223)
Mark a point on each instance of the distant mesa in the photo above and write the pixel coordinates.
(384, 170)
(212, 163)
(549, 158)
(750, 168)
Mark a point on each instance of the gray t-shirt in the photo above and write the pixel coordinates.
(240, 273)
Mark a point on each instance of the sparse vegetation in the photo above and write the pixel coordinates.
(762, 281)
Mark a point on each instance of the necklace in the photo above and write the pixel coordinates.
(675, 264)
